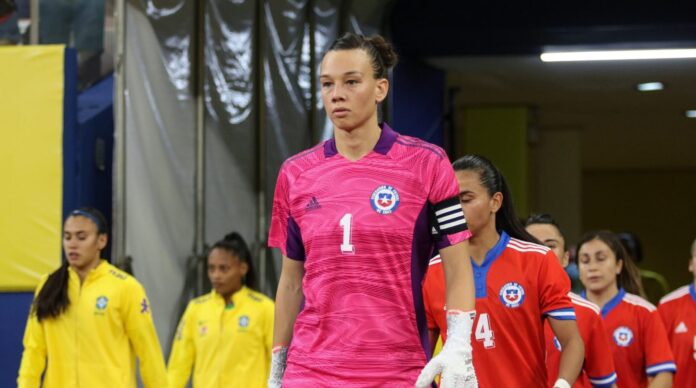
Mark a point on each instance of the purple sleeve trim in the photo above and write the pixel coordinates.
(294, 246)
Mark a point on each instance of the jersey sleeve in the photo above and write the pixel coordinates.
(140, 330)
(34, 355)
(554, 286)
(427, 301)
(658, 354)
(666, 317)
(447, 214)
(183, 354)
(599, 362)
(284, 232)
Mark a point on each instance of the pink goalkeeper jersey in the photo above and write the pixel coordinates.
(362, 229)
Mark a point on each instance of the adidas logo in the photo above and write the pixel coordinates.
(681, 328)
(313, 204)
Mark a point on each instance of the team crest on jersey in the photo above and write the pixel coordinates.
(623, 336)
(244, 321)
(512, 294)
(385, 199)
(102, 301)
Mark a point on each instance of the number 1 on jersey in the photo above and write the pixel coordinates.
(346, 247)
(483, 331)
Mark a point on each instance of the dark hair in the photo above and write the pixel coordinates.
(632, 245)
(234, 243)
(505, 219)
(381, 53)
(53, 298)
(629, 277)
(544, 219)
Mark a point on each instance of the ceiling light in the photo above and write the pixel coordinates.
(617, 55)
(650, 86)
(691, 114)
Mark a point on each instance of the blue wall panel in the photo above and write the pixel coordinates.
(417, 100)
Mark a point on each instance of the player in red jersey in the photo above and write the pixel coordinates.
(598, 369)
(352, 219)
(678, 312)
(518, 285)
(642, 356)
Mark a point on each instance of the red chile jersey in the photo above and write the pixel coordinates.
(637, 338)
(598, 369)
(678, 312)
(517, 286)
(363, 230)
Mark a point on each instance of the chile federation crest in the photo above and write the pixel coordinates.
(512, 294)
(623, 336)
(385, 199)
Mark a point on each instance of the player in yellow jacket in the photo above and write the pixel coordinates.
(226, 335)
(89, 320)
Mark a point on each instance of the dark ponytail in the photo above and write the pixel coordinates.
(381, 53)
(629, 277)
(505, 219)
(53, 300)
(234, 243)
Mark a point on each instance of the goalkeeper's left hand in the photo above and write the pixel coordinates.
(454, 362)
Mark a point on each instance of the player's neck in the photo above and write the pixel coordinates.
(482, 242)
(355, 144)
(601, 297)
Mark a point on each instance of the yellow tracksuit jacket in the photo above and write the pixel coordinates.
(225, 347)
(95, 341)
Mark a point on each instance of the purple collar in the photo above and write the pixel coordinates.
(384, 144)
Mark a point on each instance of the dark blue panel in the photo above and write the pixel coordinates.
(15, 309)
(417, 100)
(94, 148)
(70, 136)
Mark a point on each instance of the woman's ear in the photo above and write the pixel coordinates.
(102, 239)
(381, 90)
(496, 202)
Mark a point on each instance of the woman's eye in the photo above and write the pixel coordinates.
(326, 84)
(352, 82)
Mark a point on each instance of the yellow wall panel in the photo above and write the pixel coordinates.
(31, 163)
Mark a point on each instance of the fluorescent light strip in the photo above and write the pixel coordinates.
(691, 114)
(650, 86)
(617, 55)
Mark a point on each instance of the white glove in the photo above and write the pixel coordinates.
(454, 362)
(279, 358)
(561, 383)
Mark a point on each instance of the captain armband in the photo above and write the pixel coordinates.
(447, 217)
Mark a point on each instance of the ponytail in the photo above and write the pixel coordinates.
(53, 300)
(234, 243)
(505, 218)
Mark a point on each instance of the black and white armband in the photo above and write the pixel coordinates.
(447, 217)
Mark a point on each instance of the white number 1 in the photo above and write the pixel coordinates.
(483, 331)
(346, 247)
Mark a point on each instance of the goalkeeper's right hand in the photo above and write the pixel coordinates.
(279, 358)
(454, 362)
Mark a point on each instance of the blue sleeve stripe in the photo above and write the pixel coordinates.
(654, 369)
(562, 314)
(603, 382)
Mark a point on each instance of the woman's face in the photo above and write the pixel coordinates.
(349, 90)
(550, 236)
(598, 266)
(81, 242)
(479, 207)
(225, 271)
